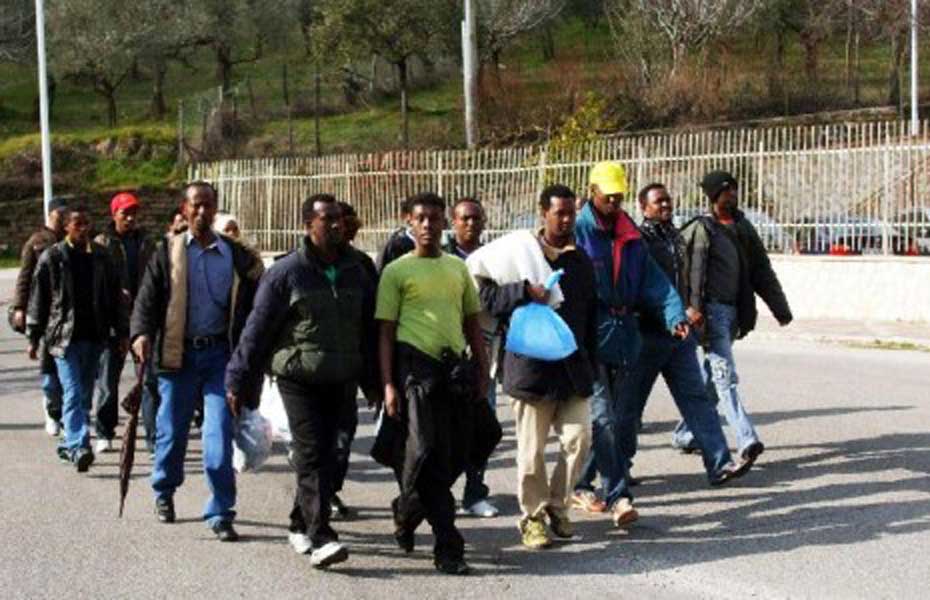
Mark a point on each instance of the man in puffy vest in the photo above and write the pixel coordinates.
(312, 327)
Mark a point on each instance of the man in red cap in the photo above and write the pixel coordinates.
(128, 248)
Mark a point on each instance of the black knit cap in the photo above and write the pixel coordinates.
(57, 203)
(715, 182)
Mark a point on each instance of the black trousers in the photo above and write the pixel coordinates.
(313, 414)
(345, 435)
(432, 499)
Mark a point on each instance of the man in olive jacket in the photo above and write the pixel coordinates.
(313, 328)
(192, 305)
(725, 266)
(51, 233)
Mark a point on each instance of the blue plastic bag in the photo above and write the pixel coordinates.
(537, 331)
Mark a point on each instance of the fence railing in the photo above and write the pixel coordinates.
(856, 188)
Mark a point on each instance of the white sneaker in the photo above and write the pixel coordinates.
(300, 542)
(329, 554)
(52, 427)
(481, 508)
(103, 445)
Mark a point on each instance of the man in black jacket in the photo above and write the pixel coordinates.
(192, 305)
(551, 395)
(399, 243)
(75, 306)
(313, 328)
(676, 360)
(725, 266)
(129, 249)
(51, 233)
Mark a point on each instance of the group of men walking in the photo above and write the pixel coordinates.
(422, 334)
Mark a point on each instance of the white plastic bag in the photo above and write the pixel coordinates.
(252, 443)
(272, 408)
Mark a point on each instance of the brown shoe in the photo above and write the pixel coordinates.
(560, 525)
(588, 501)
(730, 472)
(624, 513)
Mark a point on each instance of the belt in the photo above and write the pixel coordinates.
(202, 342)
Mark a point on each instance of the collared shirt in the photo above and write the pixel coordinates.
(209, 284)
(553, 253)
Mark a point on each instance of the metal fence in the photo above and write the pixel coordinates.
(857, 188)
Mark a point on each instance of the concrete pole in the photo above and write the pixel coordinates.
(915, 117)
(470, 72)
(43, 108)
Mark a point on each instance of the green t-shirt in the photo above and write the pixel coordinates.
(429, 299)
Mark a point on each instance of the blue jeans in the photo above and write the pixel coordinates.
(676, 360)
(201, 372)
(721, 378)
(51, 390)
(606, 457)
(77, 370)
(475, 488)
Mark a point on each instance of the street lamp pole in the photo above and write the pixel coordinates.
(470, 73)
(915, 117)
(43, 108)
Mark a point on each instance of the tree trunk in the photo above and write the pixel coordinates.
(776, 78)
(857, 70)
(108, 91)
(317, 85)
(811, 44)
(894, 76)
(548, 43)
(284, 87)
(404, 116)
(159, 72)
(224, 67)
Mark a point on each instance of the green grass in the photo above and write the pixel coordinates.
(9, 262)
(887, 345)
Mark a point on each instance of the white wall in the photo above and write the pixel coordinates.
(872, 288)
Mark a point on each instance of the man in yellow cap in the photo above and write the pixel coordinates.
(628, 280)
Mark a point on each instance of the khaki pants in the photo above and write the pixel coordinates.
(571, 421)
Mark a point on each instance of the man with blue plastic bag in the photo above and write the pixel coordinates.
(313, 328)
(628, 281)
(546, 394)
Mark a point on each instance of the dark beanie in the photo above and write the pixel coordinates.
(715, 182)
(57, 203)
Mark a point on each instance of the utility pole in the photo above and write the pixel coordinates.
(915, 117)
(470, 71)
(43, 108)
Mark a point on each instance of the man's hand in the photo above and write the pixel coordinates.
(694, 316)
(682, 330)
(234, 403)
(19, 319)
(391, 401)
(142, 348)
(483, 385)
(537, 293)
(33, 351)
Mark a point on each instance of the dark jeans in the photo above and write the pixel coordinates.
(607, 457)
(345, 434)
(475, 488)
(106, 396)
(313, 415)
(676, 360)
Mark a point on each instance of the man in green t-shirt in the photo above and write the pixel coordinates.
(428, 314)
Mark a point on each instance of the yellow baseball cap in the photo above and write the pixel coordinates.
(610, 178)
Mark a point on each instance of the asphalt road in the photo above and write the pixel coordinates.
(838, 507)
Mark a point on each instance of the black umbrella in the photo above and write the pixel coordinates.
(127, 454)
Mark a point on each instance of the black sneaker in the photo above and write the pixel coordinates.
(164, 509)
(404, 537)
(339, 509)
(752, 452)
(224, 532)
(730, 472)
(63, 455)
(452, 566)
(83, 459)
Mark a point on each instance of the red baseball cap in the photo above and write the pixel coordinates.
(122, 201)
